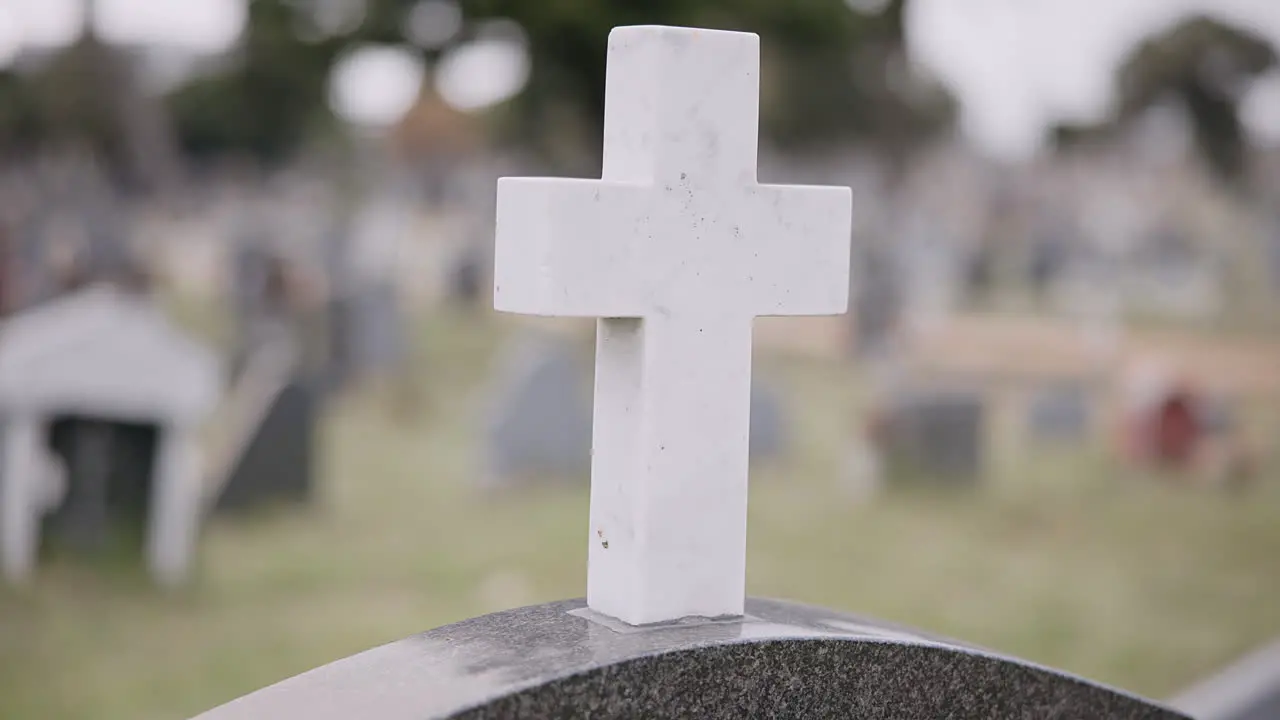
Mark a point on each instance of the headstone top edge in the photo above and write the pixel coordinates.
(623, 31)
(472, 663)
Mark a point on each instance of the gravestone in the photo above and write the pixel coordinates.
(466, 275)
(102, 380)
(780, 660)
(1247, 690)
(109, 470)
(371, 325)
(254, 274)
(878, 302)
(1059, 413)
(277, 462)
(540, 426)
(935, 435)
(768, 438)
(273, 460)
(666, 630)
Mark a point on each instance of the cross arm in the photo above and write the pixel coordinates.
(568, 247)
(799, 237)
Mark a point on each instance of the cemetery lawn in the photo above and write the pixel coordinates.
(1061, 558)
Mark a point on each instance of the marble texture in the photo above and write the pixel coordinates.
(676, 249)
(780, 660)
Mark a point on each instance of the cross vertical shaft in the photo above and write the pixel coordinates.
(669, 469)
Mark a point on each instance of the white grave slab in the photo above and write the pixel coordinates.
(107, 355)
(677, 249)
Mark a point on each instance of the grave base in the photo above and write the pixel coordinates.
(781, 660)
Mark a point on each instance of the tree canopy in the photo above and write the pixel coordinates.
(825, 74)
(1201, 65)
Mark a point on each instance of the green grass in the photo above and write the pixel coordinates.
(1063, 560)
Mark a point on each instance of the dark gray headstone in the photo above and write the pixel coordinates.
(768, 423)
(541, 425)
(1059, 414)
(370, 332)
(540, 428)
(1273, 254)
(466, 276)
(781, 660)
(935, 435)
(877, 301)
(1050, 252)
(278, 463)
(109, 474)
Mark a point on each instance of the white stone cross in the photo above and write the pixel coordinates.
(677, 249)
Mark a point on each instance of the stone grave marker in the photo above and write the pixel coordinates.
(666, 630)
(103, 381)
(935, 435)
(282, 368)
(367, 285)
(1059, 414)
(1249, 689)
(768, 438)
(276, 459)
(540, 425)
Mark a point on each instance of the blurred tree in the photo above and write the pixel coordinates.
(829, 72)
(20, 125)
(87, 96)
(1204, 64)
(1201, 64)
(272, 92)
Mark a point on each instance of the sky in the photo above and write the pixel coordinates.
(1016, 66)
(1020, 66)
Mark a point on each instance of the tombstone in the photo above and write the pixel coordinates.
(666, 630)
(277, 463)
(101, 380)
(1272, 249)
(278, 389)
(1247, 690)
(371, 327)
(109, 467)
(1059, 414)
(768, 439)
(283, 366)
(879, 301)
(540, 425)
(1051, 244)
(935, 435)
(466, 276)
(253, 266)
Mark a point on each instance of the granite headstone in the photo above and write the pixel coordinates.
(779, 660)
(768, 423)
(935, 435)
(109, 469)
(1058, 414)
(278, 462)
(540, 426)
(1249, 689)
